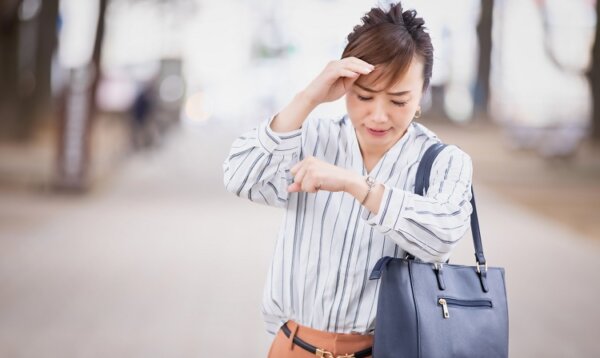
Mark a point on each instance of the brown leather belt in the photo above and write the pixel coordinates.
(321, 352)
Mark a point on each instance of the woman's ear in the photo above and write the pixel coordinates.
(418, 112)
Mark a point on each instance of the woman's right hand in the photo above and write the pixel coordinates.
(332, 83)
(335, 79)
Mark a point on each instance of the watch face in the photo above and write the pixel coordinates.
(370, 180)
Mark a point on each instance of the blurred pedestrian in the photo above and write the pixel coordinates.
(143, 131)
(347, 187)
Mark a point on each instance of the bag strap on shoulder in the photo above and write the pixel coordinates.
(422, 184)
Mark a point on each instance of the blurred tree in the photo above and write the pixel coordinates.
(77, 112)
(484, 35)
(47, 43)
(27, 42)
(9, 45)
(594, 76)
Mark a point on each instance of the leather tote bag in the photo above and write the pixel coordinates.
(439, 309)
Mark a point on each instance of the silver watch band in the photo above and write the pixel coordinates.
(370, 183)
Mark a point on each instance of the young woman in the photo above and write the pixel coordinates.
(347, 188)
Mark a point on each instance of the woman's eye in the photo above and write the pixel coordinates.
(363, 98)
(399, 104)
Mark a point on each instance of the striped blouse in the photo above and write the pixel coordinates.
(328, 243)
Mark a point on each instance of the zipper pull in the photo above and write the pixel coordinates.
(444, 307)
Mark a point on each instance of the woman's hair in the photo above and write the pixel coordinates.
(392, 38)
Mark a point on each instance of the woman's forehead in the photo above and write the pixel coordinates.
(382, 78)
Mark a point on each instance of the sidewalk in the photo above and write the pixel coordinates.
(32, 165)
(160, 260)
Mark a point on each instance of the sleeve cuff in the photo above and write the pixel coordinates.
(390, 201)
(278, 142)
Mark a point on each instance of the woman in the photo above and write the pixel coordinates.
(346, 186)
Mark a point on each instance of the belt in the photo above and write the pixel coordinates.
(321, 352)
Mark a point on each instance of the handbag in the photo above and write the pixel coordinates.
(439, 309)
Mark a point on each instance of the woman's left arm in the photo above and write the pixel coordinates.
(427, 226)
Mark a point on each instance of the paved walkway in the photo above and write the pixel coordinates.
(161, 262)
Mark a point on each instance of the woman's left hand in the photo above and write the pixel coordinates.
(312, 175)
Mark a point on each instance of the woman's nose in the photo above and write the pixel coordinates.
(378, 114)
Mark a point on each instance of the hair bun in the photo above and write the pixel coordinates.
(411, 21)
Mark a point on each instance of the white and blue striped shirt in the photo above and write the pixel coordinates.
(328, 243)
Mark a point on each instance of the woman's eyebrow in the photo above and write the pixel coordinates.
(401, 93)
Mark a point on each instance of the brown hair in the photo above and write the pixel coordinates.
(392, 38)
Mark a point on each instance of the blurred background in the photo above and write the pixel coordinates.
(117, 238)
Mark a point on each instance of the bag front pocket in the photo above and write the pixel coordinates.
(448, 301)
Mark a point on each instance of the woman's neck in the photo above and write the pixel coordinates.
(371, 157)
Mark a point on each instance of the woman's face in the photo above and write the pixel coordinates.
(380, 115)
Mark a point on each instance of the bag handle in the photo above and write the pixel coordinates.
(422, 184)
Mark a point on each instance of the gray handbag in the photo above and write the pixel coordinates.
(439, 309)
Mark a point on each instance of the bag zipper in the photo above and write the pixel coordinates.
(447, 301)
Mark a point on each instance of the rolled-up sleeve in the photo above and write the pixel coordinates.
(258, 164)
(429, 226)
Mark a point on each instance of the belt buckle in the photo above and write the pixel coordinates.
(324, 354)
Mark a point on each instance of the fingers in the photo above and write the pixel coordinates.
(303, 186)
(351, 67)
(294, 187)
(308, 183)
(300, 175)
(356, 60)
(357, 64)
(330, 84)
(298, 172)
(348, 74)
(296, 166)
(302, 180)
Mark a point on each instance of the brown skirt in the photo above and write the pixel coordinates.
(336, 343)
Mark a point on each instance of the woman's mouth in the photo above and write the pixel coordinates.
(377, 133)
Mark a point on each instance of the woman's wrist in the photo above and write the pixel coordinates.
(306, 99)
(292, 116)
(357, 186)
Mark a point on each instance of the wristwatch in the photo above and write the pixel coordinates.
(371, 183)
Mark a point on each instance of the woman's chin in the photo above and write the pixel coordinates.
(377, 145)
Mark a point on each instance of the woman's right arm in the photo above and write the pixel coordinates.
(258, 163)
